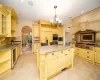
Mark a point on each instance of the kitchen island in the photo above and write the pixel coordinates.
(51, 60)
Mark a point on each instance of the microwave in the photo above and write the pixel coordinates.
(87, 37)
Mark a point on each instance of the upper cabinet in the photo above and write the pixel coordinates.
(36, 30)
(8, 21)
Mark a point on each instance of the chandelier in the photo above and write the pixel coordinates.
(56, 21)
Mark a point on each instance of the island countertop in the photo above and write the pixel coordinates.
(48, 49)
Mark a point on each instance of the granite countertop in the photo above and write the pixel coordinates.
(48, 49)
(96, 45)
(8, 47)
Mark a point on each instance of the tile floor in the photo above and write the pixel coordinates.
(26, 69)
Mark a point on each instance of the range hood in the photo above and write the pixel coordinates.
(87, 31)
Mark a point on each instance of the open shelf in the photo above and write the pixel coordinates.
(5, 66)
(5, 56)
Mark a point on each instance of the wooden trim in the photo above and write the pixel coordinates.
(94, 21)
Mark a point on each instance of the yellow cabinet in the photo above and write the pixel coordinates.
(35, 46)
(68, 57)
(52, 63)
(5, 61)
(51, 66)
(84, 53)
(3, 21)
(36, 30)
(43, 37)
(97, 55)
(60, 62)
(7, 22)
(89, 55)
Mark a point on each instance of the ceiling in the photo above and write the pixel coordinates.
(35, 10)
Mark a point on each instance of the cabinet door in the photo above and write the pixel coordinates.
(0, 23)
(52, 65)
(82, 53)
(35, 47)
(36, 30)
(61, 62)
(68, 58)
(97, 56)
(77, 51)
(89, 55)
(43, 37)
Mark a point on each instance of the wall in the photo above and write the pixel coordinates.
(21, 24)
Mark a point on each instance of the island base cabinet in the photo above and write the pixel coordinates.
(68, 61)
(60, 62)
(51, 65)
(43, 74)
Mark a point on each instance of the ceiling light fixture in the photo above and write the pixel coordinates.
(56, 21)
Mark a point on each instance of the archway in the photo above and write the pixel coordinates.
(26, 39)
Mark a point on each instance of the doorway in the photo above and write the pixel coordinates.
(26, 39)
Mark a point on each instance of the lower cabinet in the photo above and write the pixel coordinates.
(5, 61)
(97, 55)
(68, 58)
(52, 63)
(84, 53)
(60, 62)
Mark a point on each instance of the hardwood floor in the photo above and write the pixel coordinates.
(26, 69)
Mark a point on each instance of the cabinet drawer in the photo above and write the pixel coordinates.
(54, 53)
(90, 56)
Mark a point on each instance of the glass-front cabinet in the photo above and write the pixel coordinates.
(8, 18)
(3, 24)
(3, 21)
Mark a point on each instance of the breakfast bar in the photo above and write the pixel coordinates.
(51, 60)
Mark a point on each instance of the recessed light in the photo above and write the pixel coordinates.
(22, 0)
(30, 3)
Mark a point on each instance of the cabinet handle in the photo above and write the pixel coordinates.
(65, 54)
(61, 51)
(87, 56)
(69, 50)
(52, 53)
(87, 52)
